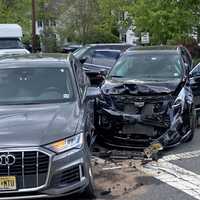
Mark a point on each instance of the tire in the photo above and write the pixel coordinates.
(89, 192)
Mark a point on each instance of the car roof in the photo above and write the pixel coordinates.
(158, 47)
(73, 45)
(109, 44)
(35, 59)
(155, 49)
(109, 50)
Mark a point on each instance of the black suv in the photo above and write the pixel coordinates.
(147, 100)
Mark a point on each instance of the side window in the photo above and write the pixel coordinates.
(105, 58)
(89, 55)
(189, 58)
(106, 55)
(186, 57)
(82, 79)
(196, 71)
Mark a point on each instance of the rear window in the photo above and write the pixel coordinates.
(107, 55)
(9, 43)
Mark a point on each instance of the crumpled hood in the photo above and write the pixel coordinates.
(136, 87)
(35, 125)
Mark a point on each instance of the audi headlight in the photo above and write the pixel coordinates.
(74, 142)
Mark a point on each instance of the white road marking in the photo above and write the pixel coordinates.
(180, 156)
(175, 176)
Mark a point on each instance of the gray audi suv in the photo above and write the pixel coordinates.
(46, 127)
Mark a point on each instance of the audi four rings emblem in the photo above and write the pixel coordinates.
(7, 160)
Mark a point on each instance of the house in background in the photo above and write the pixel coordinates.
(47, 27)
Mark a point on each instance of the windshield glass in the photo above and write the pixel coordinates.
(79, 52)
(35, 85)
(10, 43)
(148, 66)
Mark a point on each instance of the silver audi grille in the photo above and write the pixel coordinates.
(30, 168)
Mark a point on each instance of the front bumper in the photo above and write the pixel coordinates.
(67, 174)
(127, 131)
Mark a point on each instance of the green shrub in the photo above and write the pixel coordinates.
(101, 37)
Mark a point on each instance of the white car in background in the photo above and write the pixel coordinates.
(10, 40)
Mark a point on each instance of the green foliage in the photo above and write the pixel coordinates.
(89, 21)
(101, 37)
(17, 11)
(49, 40)
(166, 20)
(86, 21)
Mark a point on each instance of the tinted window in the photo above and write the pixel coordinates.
(81, 77)
(189, 60)
(196, 70)
(81, 52)
(35, 85)
(10, 44)
(105, 58)
(106, 55)
(148, 66)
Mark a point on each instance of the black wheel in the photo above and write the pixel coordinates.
(89, 192)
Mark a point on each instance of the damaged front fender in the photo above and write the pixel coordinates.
(183, 103)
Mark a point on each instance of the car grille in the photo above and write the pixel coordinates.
(30, 168)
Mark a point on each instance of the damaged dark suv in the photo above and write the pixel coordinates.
(146, 100)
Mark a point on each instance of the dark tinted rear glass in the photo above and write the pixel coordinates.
(107, 55)
(10, 43)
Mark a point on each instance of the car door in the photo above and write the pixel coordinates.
(195, 85)
(87, 104)
(186, 57)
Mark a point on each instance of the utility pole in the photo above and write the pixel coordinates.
(33, 27)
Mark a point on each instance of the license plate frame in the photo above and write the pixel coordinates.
(8, 183)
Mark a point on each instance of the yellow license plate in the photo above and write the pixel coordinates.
(8, 183)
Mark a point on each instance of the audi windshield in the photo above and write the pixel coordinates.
(35, 85)
(148, 66)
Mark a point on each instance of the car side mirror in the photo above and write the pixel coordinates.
(195, 73)
(93, 92)
(83, 60)
(104, 73)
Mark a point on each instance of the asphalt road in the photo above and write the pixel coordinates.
(175, 177)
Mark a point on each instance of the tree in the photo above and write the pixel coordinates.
(166, 20)
(15, 11)
(93, 20)
(112, 16)
(78, 19)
